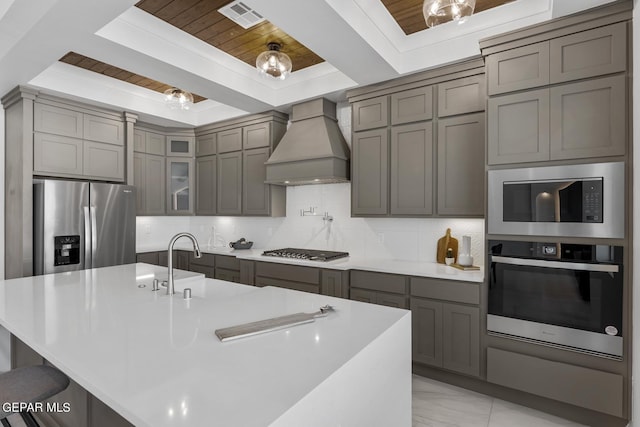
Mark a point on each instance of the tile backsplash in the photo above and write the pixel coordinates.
(411, 239)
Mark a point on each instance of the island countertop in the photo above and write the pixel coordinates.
(156, 361)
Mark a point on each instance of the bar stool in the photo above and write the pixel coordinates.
(30, 384)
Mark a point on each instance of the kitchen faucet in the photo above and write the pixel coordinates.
(196, 252)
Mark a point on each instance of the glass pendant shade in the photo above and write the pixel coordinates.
(273, 62)
(178, 99)
(440, 11)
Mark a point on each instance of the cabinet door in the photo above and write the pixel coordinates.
(461, 339)
(180, 186)
(230, 140)
(519, 128)
(255, 193)
(154, 185)
(181, 146)
(103, 416)
(206, 186)
(363, 295)
(206, 145)
(520, 68)
(461, 165)
(412, 105)
(370, 113)
(102, 129)
(228, 275)
(209, 272)
(147, 257)
(139, 181)
(588, 119)
(391, 300)
(426, 327)
(155, 143)
(247, 272)
(334, 283)
(462, 96)
(139, 141)
(58, 121)
(412, 169)
(370, 173)
(589, 53)
(103, 161)
(230, 183)
(255, 136)
(57, 154)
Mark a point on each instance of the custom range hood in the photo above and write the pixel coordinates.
(313, 150)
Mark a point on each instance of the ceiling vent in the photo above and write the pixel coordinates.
(241, 14)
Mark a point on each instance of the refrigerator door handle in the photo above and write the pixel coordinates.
(94, 234)
(87, 238)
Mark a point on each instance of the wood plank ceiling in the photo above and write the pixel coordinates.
(201, 19)
(408, 13)
(87, 63)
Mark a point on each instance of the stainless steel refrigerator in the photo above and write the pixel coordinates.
(79, 225)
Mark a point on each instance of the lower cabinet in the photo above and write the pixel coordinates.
(334, 283)
(298, 278)
(227, 268)
(148, 258)
(379, 288)
(205, 265)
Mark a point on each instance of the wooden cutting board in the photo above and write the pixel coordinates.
(443, 244)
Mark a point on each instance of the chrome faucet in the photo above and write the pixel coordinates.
(196, 252)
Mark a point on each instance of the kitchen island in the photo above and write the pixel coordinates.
(155, 360)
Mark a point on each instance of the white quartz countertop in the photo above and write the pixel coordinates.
(409, 268)
(155, 359)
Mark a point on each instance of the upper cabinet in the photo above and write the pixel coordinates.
(70, 142)
(424, 155)
(562, 98)
(180, 146)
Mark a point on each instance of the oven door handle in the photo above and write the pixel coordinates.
(579, 266)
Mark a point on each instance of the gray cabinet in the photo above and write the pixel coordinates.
(180, 186)
(101, 129)
(148, 142)
(227, 268)
(521, 68)
(103, 161)
(370, 172)
(370, 113)
(206, 145)
(412, 170)
(180, 146)
(206, 185)
(413, 105)
(588, 119)
(460, 174)
(334, 283)
(379, 288)
(256, 136)
(256, 195)
(590, 53)
(299, 278)
(148, 258)
(518, 128)
(426, 325)
(149, 180)
(54, 154)
(57, 121)
(205, 264)
(229, 183)
(230, 140)
(461, 96)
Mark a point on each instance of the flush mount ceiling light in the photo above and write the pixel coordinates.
(273, 62)
(440, 11)
(178, 99)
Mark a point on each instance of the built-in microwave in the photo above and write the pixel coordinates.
(585, 200)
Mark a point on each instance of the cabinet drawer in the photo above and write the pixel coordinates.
(230, 140)
(447, 290)
(57, 154)
(148, 257)
(58, 121)
(520, 68)
(461, 96)
(208, 271)
(589, 53)
(206, 260)
(287, 284)
(380, 298)
(288, 272)
(596, 390)
(412, 105)
(228, 262)
(105, 130)
(256, 136)
(379, 281)
(370, 113)
(206, 145)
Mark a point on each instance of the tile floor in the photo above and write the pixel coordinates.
(437, 404)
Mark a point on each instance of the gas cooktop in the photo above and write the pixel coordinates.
(308, 254)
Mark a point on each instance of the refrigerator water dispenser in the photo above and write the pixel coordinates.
(66, 250)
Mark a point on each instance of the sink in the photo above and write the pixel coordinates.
(145, 273)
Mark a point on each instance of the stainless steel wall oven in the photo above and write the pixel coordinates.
(585, 200)
(563, 294)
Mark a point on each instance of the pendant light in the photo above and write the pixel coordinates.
(273, 62)
(178, 99)
(440, 11)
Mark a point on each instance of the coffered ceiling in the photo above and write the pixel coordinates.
(335, 45)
